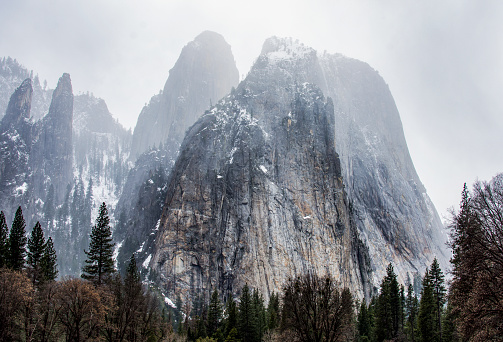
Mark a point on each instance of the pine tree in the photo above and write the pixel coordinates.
(437, 280)
(4, 241)
(246, 317)
(412, 307)
(232, 314)
(132, 302)
(17, 242)
(36, 248)
(364, 323)
(214, 314)
(48, 265)
(99, 262)
(273, 312)
(389, 307)
(427, 317)
(260, 314)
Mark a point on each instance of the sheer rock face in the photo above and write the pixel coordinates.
(395, 217)
(15, 144)
(203, 74)
(256, 195)
(52, 160)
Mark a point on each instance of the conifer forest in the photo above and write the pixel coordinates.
(105, 305)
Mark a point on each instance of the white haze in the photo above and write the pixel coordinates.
(443, 61)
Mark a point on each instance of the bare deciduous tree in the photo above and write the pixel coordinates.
(316, 309)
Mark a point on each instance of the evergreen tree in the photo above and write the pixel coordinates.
(260, 314)
(449, 333)
(48, 265)
(427, 318)
(99, 262)
(36, 248)
(232, 314)
(76, 207)
(132, 273)
(476, 291)
(273, 312)
(412, 307)
(4, 242)
(437, 282)
(17, 242)
(364, 323)
(388, 307)
(246, 317)
(214, 314)
(402, 309)
(133, 302)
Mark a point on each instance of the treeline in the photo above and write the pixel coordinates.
(105, 306)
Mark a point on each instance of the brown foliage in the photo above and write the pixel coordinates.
(477, 286)
(82, 309)
(315, 309)
(16, 295)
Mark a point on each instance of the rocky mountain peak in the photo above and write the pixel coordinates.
(18, 109)
(278, 49)
(203, 74)
(243, 202)
(62, 99)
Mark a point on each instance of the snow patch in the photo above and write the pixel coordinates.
(147, 261)
(169, 302)
(116, 252)
(141, 247)
(20, 190)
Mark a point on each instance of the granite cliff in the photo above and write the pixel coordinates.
(303, 168)
(204, 72)
(256, 195)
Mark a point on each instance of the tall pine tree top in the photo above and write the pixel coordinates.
(4, 242)
(36, 246)
(99, 263)
(17, 241)
(48, 265)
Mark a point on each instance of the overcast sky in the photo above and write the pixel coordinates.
(443, 61)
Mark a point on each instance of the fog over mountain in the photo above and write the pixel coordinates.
(442, 61)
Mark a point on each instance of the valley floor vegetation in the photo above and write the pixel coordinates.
(105, 305)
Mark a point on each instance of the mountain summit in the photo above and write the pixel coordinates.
(204, 73)
(259, 192)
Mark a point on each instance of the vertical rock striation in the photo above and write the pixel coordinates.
(204, 73)
(52, 161)
(256, 195)
(395, 216)
(15, 145)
